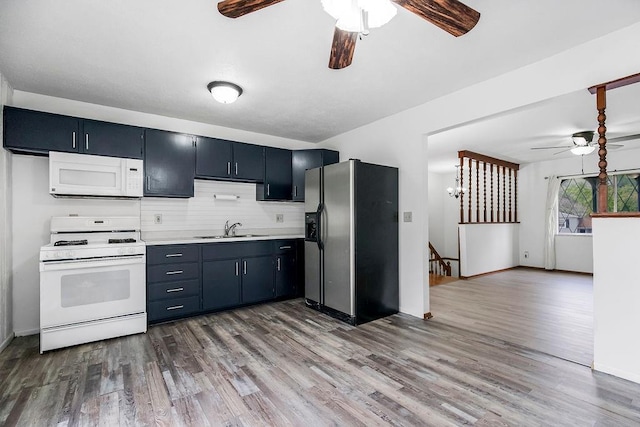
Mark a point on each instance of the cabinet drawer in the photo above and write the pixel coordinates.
(178, 289)
(178, 307)
(284, 246)
(236, 250)
(171, 254)
(172, 272)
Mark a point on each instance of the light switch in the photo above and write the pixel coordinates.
(407, 216)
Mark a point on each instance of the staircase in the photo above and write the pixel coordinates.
(439, 269)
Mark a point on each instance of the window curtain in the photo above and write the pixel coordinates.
(552, 223)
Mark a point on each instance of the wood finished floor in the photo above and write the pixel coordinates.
(284, 364)
(547, 311)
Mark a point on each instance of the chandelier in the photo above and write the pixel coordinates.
(357, 16)
(458, 190)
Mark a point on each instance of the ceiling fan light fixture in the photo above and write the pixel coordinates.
(224, 92)
(581, 150)
(582, 139)
(357, 16)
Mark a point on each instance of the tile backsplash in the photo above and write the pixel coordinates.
(204, 212)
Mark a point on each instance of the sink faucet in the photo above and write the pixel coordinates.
(230, 230)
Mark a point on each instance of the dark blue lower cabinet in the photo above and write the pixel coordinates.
(172, 308)
(257, 279)
(286, 275)
(221, 285)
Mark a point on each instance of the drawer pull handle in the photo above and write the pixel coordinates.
(175, 307)
(172, 255)
(168, 273)
(175, 290)
(285, 247)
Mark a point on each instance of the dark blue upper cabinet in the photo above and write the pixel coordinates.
(228, 160)
(214, 158)
(36, 132)
(169, 164)
(111, 139)
(277, 175)
(248, 162)
(308, 159)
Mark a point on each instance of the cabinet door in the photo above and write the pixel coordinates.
(248, 162)
(169, 164)
(213, 158)
(277, 175)
(221, 284)
(286, 275)
(300, 162)
(111, 139)
(257, 279)
(36, 132)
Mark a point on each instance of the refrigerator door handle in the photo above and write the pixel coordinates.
(319, 225)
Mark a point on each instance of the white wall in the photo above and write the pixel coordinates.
(572, 251)
(436, 194)
(616, 292)
(399, 139)
(6, 316)
(204, 213)
(485, 248)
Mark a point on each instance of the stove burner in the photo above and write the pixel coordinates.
(70, 242)
(129, 240)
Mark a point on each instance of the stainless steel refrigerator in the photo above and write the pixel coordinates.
(351, 240)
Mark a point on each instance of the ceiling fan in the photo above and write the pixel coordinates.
(583, 143)
(355, 17)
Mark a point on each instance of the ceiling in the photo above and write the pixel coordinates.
(157, 56)
(512, 135)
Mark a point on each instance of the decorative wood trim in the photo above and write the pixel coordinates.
(477, 191)
(490, 223)
(515, 195)
(504, 195)
(616, 215)
(491, 168)
(484, 187)
(470, 188)
(488, 159)
(450, 259)
(510, 191)
(461, 186)
(601, 101)
(428, 316)
(613, 84)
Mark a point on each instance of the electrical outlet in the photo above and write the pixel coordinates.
(279, 217)
(408, 216)
(157, 219)
(526, 254)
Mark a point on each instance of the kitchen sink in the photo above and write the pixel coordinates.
(229, 237)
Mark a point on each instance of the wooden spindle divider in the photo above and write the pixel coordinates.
(501, 201)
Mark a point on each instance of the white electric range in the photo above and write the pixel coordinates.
(92, 281)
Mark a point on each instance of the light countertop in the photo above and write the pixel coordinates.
(173, 237)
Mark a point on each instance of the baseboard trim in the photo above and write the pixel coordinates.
(528, 267)
(27, 332)
(427, 315)
(487, 273)
(6, 342)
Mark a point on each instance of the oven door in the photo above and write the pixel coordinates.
(84, 290)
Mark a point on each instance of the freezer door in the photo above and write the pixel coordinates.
(312, 253)
(337, 230)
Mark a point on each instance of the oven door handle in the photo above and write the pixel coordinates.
(73, 264)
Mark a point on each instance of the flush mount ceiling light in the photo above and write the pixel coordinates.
(357, 16)
(582, 143)
(224, 92)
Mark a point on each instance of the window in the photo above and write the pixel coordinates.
(578, 199)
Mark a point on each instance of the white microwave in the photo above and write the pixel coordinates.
(83, 175)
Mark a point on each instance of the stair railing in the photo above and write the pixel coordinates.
(437, 264)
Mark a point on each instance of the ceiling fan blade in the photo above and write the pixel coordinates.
(552, 148)
(344, 44)
(237, 8)
(563, 151)
(450, 15)
(613, 146)
(623, 138)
